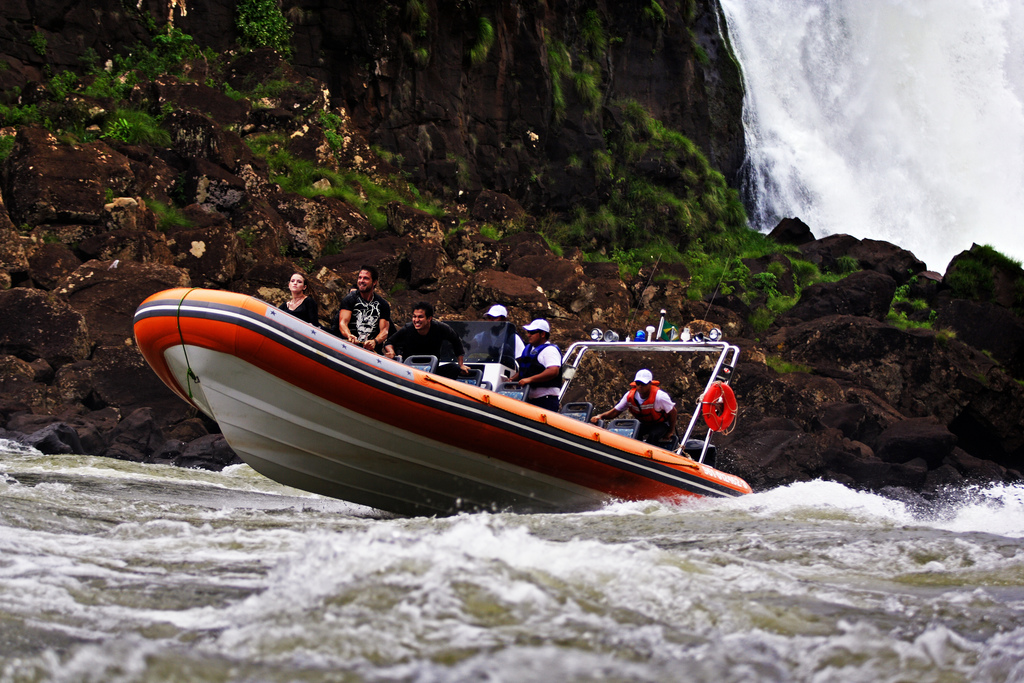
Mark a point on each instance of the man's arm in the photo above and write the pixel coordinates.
(609, 414)
(344, 318)
(672, 416)
(382, 335)
(546, 373)
(396, 339)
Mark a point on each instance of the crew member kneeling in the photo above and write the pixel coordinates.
(653, 407)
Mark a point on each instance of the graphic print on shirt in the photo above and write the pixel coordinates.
(366, 318)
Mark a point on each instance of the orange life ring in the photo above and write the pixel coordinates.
(719, 406)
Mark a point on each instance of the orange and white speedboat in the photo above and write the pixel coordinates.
(312, 411)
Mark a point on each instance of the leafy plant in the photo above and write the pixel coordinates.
(168, 216)
(559, 68)
(654, 13)
(418, 14)
(6, 145)
(136, 127)
(783, 367)
(484, 41)
(593, 34)
(262, 24)
(37, 41)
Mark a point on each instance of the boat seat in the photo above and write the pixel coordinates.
(474, 377)
(579, 410)
(693, 448)
(670, 444)
(626, 427)
(486, 385)
(512, 390)
(424, 363)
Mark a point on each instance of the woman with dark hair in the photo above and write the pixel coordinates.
(302, 304)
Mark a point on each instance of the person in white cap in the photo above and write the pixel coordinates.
(540, 366)
(649, 404)
(497, 313)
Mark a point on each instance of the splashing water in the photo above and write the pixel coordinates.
(117, 571)
(887, 119)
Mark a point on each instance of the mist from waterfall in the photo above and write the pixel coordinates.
(896, 120)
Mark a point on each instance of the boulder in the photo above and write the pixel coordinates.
(561, 279)
(56, 438)
(496, 207)
(107, 293)
(915, 438)
(50, 263)
(49, 181)
(127, 245)
(988, 327)
(40, 325)
(210, 452)
(321, 225)
(138, 434)
(513, 290)
(791, 231)
(863, 293)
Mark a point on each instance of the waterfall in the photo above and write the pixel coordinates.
(897, 120)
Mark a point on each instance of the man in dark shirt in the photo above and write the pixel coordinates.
(424, 336)
(365, 316)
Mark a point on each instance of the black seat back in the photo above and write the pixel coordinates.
(424, 363)
(474, 377)
(693, 448)
(580, 410)
(512, 390)
(626, 427)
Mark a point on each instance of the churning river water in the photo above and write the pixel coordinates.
(114, 571)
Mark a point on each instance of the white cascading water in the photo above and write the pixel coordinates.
(898, 120)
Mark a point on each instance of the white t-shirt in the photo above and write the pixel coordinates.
(662, 401)
(548, 356)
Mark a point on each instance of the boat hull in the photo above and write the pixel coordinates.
(308, 410)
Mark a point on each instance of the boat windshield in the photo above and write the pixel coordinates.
(485, 341)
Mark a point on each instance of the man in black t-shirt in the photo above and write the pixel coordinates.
(365, 316)
(424, 336)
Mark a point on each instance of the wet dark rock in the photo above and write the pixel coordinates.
(987, 326)
(50, 182)
(57, 438)
(864, 293)
(39, 325)
(791, 231)
(210, 452)
(139, 433)
(915, 438)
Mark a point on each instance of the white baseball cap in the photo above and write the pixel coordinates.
(538, 326)
(497, 311)
(643, 377)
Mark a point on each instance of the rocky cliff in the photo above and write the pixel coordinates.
(887, 376)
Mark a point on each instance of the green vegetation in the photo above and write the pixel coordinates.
(37, 41)
(168, 217)
(640, 212)
(136, 127)
(261, 24)
(559, 69)
(419, 16)
(367, 194)
(903, 307)
(784, 367)
(654, 13)
(6, 145)
(973, 276)
(484, 41)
